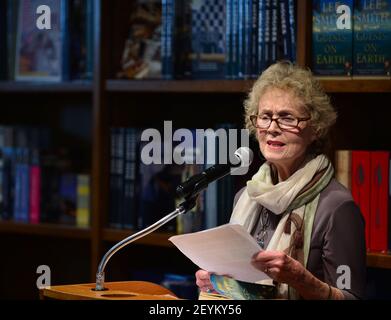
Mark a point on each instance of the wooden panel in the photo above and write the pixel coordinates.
(379, 260)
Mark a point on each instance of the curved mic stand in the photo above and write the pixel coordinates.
(187, 205)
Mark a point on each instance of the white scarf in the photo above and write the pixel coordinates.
(288, 198)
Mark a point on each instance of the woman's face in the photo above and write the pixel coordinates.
(282, 147)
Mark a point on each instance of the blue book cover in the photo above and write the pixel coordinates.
(254, 39)
(372, 38)
(208, 39)
(235, 39)
(8, 188)
(3, 40)
(292, 26)
(229, 35)
(286, 38)
(68, 198)
(331, 47)
(261, 36)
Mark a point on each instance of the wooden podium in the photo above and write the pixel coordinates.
(125, 290)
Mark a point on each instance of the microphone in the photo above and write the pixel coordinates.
(199, 182)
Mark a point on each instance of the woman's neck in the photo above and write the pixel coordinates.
(284, 171)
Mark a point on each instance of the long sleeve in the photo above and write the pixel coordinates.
(344, 247)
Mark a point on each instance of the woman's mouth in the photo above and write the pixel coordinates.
(275, 144)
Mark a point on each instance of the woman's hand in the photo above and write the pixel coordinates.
(284, 269)
(203, 281)
(279, 266)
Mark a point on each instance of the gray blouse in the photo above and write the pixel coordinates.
(337, 241)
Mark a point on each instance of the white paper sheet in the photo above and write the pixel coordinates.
(224, 250)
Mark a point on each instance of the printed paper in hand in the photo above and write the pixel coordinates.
(225, 250)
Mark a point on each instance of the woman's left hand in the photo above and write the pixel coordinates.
(279, 266)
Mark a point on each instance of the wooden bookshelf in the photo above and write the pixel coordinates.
(179, 86)
(379, 260)
(45, 87)
(330, 85)
(353, 85)
(44, 229)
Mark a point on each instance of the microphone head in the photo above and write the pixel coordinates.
(245, 157)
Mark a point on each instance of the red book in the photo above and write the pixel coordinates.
(35, 193)
(379, 201)
(361, 186)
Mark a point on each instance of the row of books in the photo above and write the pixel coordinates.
(359, 46)
(141, 193)
(54, 45)
(37, 184)
(367, 175)
(199, 39)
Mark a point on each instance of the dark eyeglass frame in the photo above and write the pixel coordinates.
(254, 117)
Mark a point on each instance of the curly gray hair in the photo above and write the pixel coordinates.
(300, 81)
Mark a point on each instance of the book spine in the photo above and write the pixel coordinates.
(274, 31)
(65, 40)
(228, 30)
(235, 38)
(372, 38)
(285, 31)
(267, 33)
(241, 43)
(343, 167)
(83, 201)
(170, 41)
(361, 187)
(292, 24)
(247, 48)
(25, 186)
(254, 39)
(163, 39)
(379, 201)
(90, 12)
(35, 193)
(113, 221)
(129, 212)
(261, 36)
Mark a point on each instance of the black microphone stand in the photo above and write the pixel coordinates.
(187, 205)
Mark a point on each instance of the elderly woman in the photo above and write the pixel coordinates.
(310, 230)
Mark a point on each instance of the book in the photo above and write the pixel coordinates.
(208, 39)
(343, 167)
(83, 209)
(361, 187)
(379, 201)
(372, 38)
(331, 46)
(141, 57)
(41, 55)
(241, 290)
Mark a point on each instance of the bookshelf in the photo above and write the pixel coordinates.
(108, 100)
(42, 87)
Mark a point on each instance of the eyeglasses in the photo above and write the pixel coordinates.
(285, 123)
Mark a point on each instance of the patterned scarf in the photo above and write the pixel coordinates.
(296, 199)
